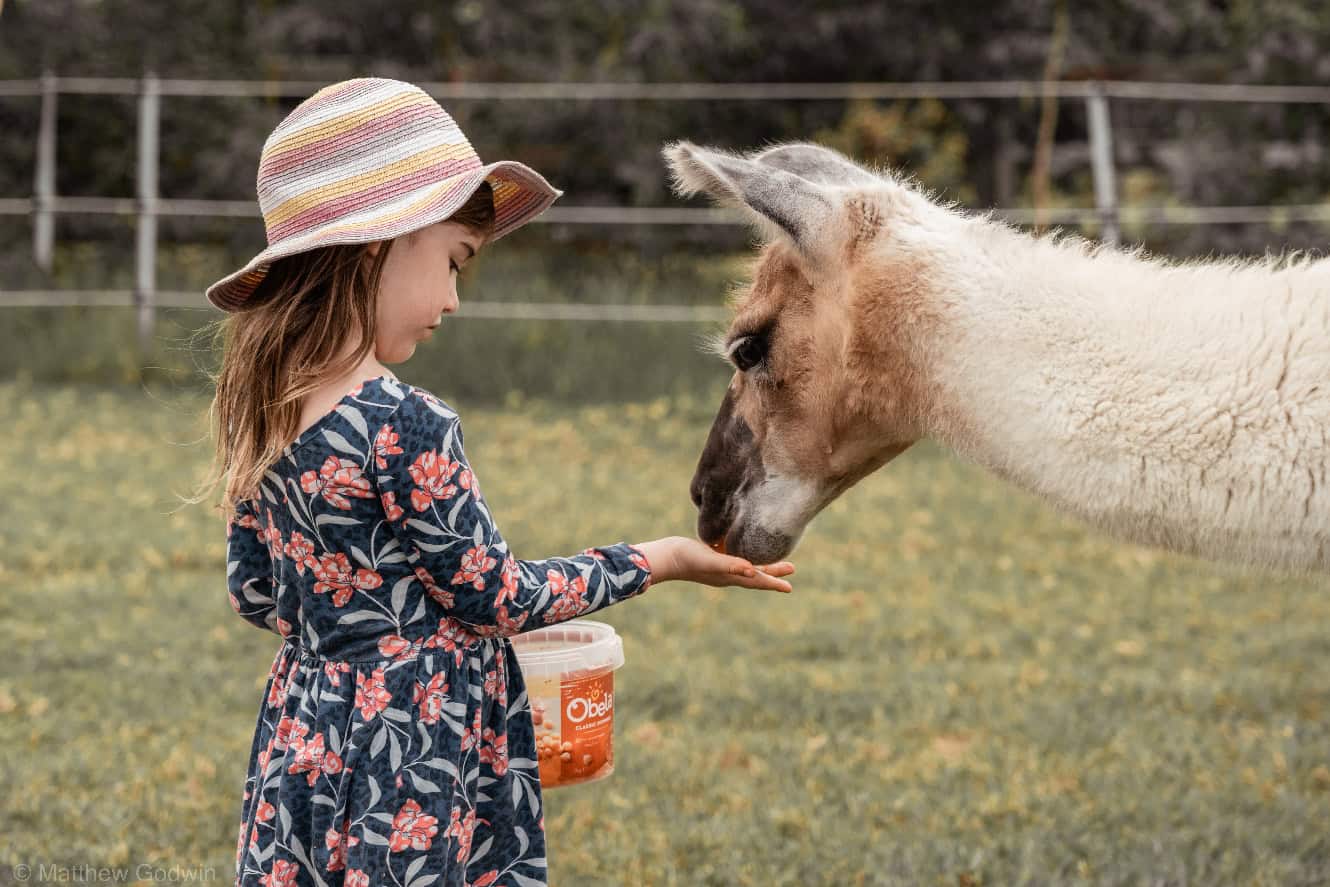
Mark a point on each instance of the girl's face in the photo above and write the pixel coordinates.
(419, 285)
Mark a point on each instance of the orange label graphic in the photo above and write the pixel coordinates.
(576, 744)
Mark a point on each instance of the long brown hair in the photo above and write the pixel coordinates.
(284, 343)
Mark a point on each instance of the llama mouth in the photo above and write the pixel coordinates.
(752, 543)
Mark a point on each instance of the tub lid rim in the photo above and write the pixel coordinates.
(589, 645)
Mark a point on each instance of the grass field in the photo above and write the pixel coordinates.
(966, 687)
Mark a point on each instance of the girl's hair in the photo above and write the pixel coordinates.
(284, 343)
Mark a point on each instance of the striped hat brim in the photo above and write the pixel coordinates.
(520, 194)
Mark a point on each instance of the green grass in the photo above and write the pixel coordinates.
(965, 688)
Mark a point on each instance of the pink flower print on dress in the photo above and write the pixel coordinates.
(283, 874)
(507, 625)
(288, 728)
(264, 755)
(431, 698)
(412, 828)
(312, 759)
(475, 564)
(397, 647)
(463, 829)
(496, 683)
(568, 597)
(372, 694)
(508, 575)
(278, 687)
(276, 694)
(301, 552)
(561, 585)
(385, 444)
(336, 479)
(431, 471)
(640, 562)
(339, 842)
(441, 597)
(467, 481)
(245, 520)
(335, 574)
(391, 509)
(334, 672)
(471, 734)
(356, 878)
(495, 751)
(273, 536)
(451, 635)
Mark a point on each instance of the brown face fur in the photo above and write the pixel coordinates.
(835, 397)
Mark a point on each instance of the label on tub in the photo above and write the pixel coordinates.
(577, 744)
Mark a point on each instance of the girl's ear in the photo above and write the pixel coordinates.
(374, 247)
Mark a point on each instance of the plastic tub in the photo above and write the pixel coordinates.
(569, 674)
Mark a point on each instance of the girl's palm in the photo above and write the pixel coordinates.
(698, 563)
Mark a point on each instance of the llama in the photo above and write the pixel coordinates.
(1184, 405)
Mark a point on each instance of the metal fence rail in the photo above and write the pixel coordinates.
(147, 205)
(954, 89)
(487, 310)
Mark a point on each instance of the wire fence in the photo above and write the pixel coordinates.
(147, 206)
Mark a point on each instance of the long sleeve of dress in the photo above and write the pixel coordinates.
(249, 569)
(434, 506)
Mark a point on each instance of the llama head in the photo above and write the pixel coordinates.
(826, 388)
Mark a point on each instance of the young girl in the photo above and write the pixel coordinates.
(394, 743)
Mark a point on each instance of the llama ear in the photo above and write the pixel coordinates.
(796, 206)
(816, 164)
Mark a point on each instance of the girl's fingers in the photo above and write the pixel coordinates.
(765, 581)
(746, 568)
(780, 568)
(742, 572)
(741, 567)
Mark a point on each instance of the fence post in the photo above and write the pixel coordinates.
(1101, 160)
(43, 220)
(145, 278)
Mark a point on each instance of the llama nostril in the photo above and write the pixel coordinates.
(695, 493)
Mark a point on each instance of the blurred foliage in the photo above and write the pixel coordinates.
(608, 152)
(919, 137)
(210, 145)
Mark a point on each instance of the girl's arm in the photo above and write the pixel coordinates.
(249, 569)
(435, 508)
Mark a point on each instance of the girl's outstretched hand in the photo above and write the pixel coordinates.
(678, 557)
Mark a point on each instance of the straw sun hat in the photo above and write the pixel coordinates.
(370, 159)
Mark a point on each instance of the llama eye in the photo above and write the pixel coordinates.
(749, 352)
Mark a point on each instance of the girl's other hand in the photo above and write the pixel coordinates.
(679, 557)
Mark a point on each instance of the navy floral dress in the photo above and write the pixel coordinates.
(394, 743)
